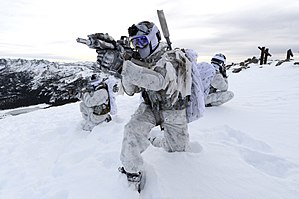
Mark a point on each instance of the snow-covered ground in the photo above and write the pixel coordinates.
(246, 148)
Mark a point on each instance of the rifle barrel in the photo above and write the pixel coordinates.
(83, 41)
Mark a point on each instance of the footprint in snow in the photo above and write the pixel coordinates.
(269, 164)
(194, 147)
(232, 137)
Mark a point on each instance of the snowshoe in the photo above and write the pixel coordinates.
(136, 179)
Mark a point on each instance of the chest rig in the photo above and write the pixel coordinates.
(159, 100)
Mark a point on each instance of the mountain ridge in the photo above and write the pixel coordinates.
(30, 82)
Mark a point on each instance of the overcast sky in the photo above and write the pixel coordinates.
(47, 29)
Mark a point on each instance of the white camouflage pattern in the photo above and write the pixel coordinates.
(136, 135)
(221, 95)
(92, 99)
(136, 132)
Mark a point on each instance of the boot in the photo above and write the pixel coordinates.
(109, 118)
(136, 179)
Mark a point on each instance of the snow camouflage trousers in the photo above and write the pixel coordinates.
(219, 97)
(136, 132)
(90, 119)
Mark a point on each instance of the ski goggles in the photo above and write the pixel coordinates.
(139, 41)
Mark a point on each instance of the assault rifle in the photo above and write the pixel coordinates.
(82, 85)
(117, 50)
(75, 87)
(90, 85)
(100, 41)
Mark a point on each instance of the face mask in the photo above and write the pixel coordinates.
(144, 52)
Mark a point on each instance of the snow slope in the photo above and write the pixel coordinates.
(247, 148)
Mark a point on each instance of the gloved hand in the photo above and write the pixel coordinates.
(222, 70)
(110, 60)
(154, 97)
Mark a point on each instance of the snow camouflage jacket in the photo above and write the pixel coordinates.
(202, 76)
(102, 99)
(185, 79)
(164, 79)
(219, 82)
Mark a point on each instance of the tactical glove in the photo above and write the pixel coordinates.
(222, 70)
(110, 61)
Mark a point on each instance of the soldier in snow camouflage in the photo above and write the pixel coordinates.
(218, 93)
(164, 80)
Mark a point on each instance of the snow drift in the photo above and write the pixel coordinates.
(246, 148)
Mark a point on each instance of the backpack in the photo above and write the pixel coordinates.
(111, 82)
(107, 84)
(202, 76)
(196, 102)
